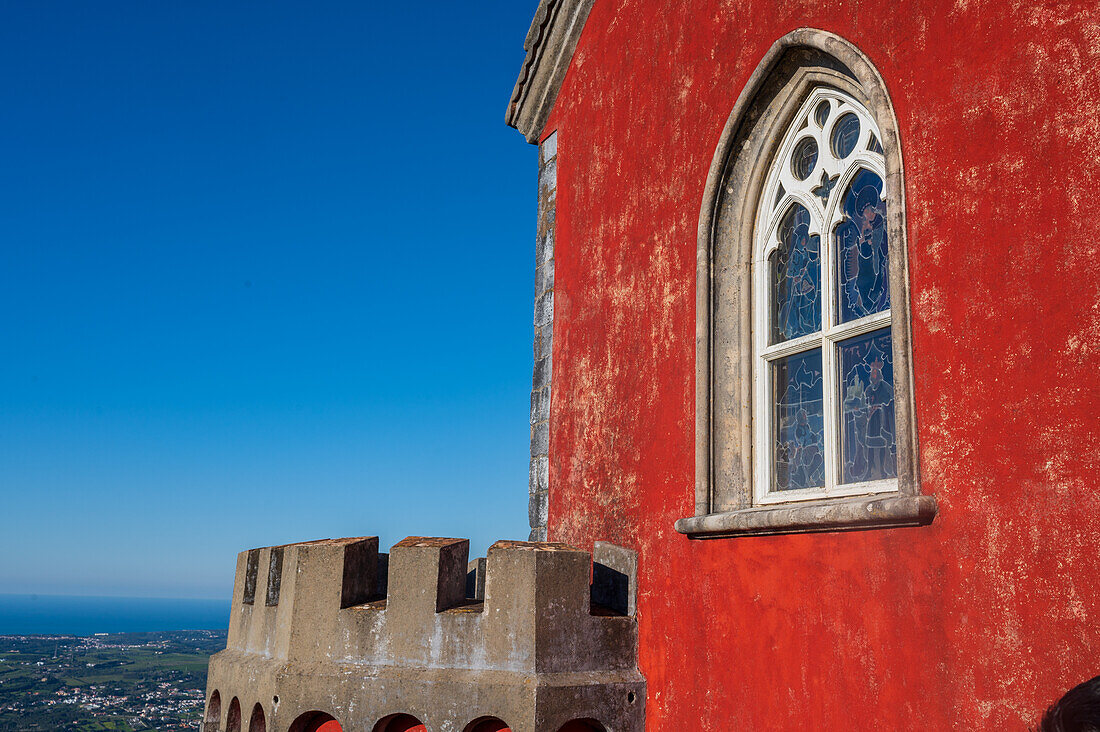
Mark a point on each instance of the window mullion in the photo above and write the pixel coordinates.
(828, 357)
(832, 413)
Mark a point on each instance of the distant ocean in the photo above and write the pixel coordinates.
(74, 615)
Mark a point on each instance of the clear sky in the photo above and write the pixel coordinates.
(266, 276)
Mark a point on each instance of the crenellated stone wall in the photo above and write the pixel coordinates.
(335, 627)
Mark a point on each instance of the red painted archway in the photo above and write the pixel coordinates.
(316, 722)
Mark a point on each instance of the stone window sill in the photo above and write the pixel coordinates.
(842, 514)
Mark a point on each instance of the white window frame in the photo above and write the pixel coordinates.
(824, 218)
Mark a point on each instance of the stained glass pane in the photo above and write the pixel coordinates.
(796, 278)
(845, 135)
(874, 146)
(862, 251)
(821, 114)
(868, 445)
(799, 422)
(804, 158)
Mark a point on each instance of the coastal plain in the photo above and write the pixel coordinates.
(123, 682)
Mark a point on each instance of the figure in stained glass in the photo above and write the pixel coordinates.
(869, 444)
(796, 278)
(799, 422)
(862, 249)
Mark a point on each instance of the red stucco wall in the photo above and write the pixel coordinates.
(988, 615)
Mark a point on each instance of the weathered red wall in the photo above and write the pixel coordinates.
(983, 618)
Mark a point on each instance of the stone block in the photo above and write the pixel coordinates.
(544, 309)
(544, 244)
(539, 475)
(544, 278)
(427, 574)
(547, 341)
(541, 374)
(548, 178)
(549, 147)
(537, 506)
(540, 439)
(540, 405)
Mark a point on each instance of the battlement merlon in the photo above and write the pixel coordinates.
(342, 600)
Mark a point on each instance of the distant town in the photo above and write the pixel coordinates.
(123, 682)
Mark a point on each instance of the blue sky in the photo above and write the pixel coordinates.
(266, 276)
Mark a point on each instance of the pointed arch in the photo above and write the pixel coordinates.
(796, 65)
(212, 718)
(258, 721)
(233, 718)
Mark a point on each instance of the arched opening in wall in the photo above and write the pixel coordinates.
(399, 723)
(233, 719)
(258, 722)
(487, 724)
(316, 722)
(583, 725)
(805, 411)
(213, 713)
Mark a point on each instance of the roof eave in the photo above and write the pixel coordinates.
(550, 44)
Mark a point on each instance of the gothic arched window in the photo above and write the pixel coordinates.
(804, 399)
(824, 377)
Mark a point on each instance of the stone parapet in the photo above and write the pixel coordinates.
(336, 627)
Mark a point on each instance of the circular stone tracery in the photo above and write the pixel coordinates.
(804, 158)
(845, 136)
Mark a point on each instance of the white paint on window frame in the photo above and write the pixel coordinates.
(824, 217)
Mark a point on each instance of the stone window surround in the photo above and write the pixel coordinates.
(724, 504)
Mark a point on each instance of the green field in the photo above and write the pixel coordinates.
(125, 682)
